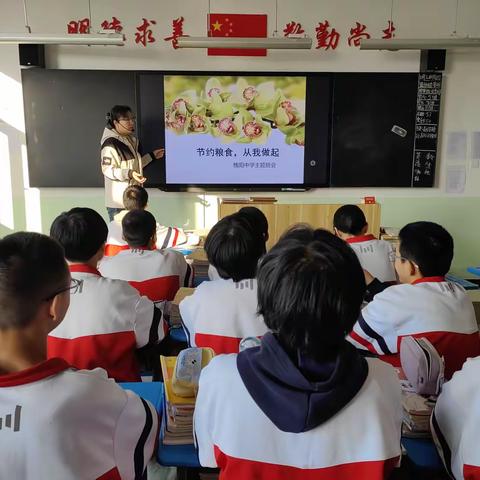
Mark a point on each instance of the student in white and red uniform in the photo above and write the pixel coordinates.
(108, 320)
(135, 197)
(223, 311)
(424, 305)
(157, 274)
(304, 404)
(350, 224)
(57, 422)
(456, 420)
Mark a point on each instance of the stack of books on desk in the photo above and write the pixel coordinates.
(416, 415)
(175, 317)
(177, 421)
(199, 262)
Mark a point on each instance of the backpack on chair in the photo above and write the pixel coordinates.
(422, 365)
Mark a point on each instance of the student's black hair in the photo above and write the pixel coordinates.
(310, 289)
(234, 246)
(116, 113)
(32, 270)
(349, 219)
(81, 232)
(138, 228)
(257, 218)
(428, 245)
(135, 197)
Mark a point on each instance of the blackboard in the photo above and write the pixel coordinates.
(375, 130)
(64, 117)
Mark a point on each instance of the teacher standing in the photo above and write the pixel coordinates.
(122, 162)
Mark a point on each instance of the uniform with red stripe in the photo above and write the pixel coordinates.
(361, 441)
(456, 420)
(220, 313)
(167, 237)
(430, 307)
(157, 274)
(106, 322)
(374, 256)
(67, 424)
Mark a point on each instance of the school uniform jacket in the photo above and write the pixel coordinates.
(157, 274)
(120, 156)
(432, 308)
(167, 237)
(58, 423)
(106, 322)
(374, 256)
(247, 439)
(456, 420)
(220, 313)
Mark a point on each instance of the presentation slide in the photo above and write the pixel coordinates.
(234, 129)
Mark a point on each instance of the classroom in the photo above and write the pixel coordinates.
(239, 240)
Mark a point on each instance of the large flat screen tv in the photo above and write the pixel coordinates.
(236, 131)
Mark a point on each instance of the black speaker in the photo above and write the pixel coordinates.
(32, 55)
(432, 60)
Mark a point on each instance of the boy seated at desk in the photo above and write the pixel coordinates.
(304, 404)
(58, 423)
(108, 320)
(258, 221)
(424, 305)
(157, 274)
(135, 197)
(223, 311)
(456, 420)
(350, 224)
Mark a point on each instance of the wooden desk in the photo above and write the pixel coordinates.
(281, 216)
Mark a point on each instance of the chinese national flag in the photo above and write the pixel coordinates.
(237, 25)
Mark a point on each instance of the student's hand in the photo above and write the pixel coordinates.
(159, 153)
(138, 178)
(369, 278)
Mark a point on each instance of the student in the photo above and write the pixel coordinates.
(456, 420)
(157, 274)
(223, 311)
(350, 224)
(304, 404)
(107, 320)
(135, 197)
(58, 423)
(258, 221)
(425, 305)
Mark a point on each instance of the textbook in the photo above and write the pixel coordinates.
(177, 421)
(199, 262)
(175, 317)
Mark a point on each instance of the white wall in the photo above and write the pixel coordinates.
(412, 18)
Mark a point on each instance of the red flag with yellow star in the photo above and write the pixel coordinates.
(237, 25)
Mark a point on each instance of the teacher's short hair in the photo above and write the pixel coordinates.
(135, 197)
(81, 232)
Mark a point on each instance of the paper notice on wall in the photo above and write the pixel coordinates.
(457, 147)
(475, 149)
(456, 176)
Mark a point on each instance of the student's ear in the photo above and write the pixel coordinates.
(365, 229)
(267, 236)
(58, 308)
(413, 268)
(153, 240)
(100, 252)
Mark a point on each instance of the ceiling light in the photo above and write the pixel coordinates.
(418, 43)
(57, 39)
(230, 42)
